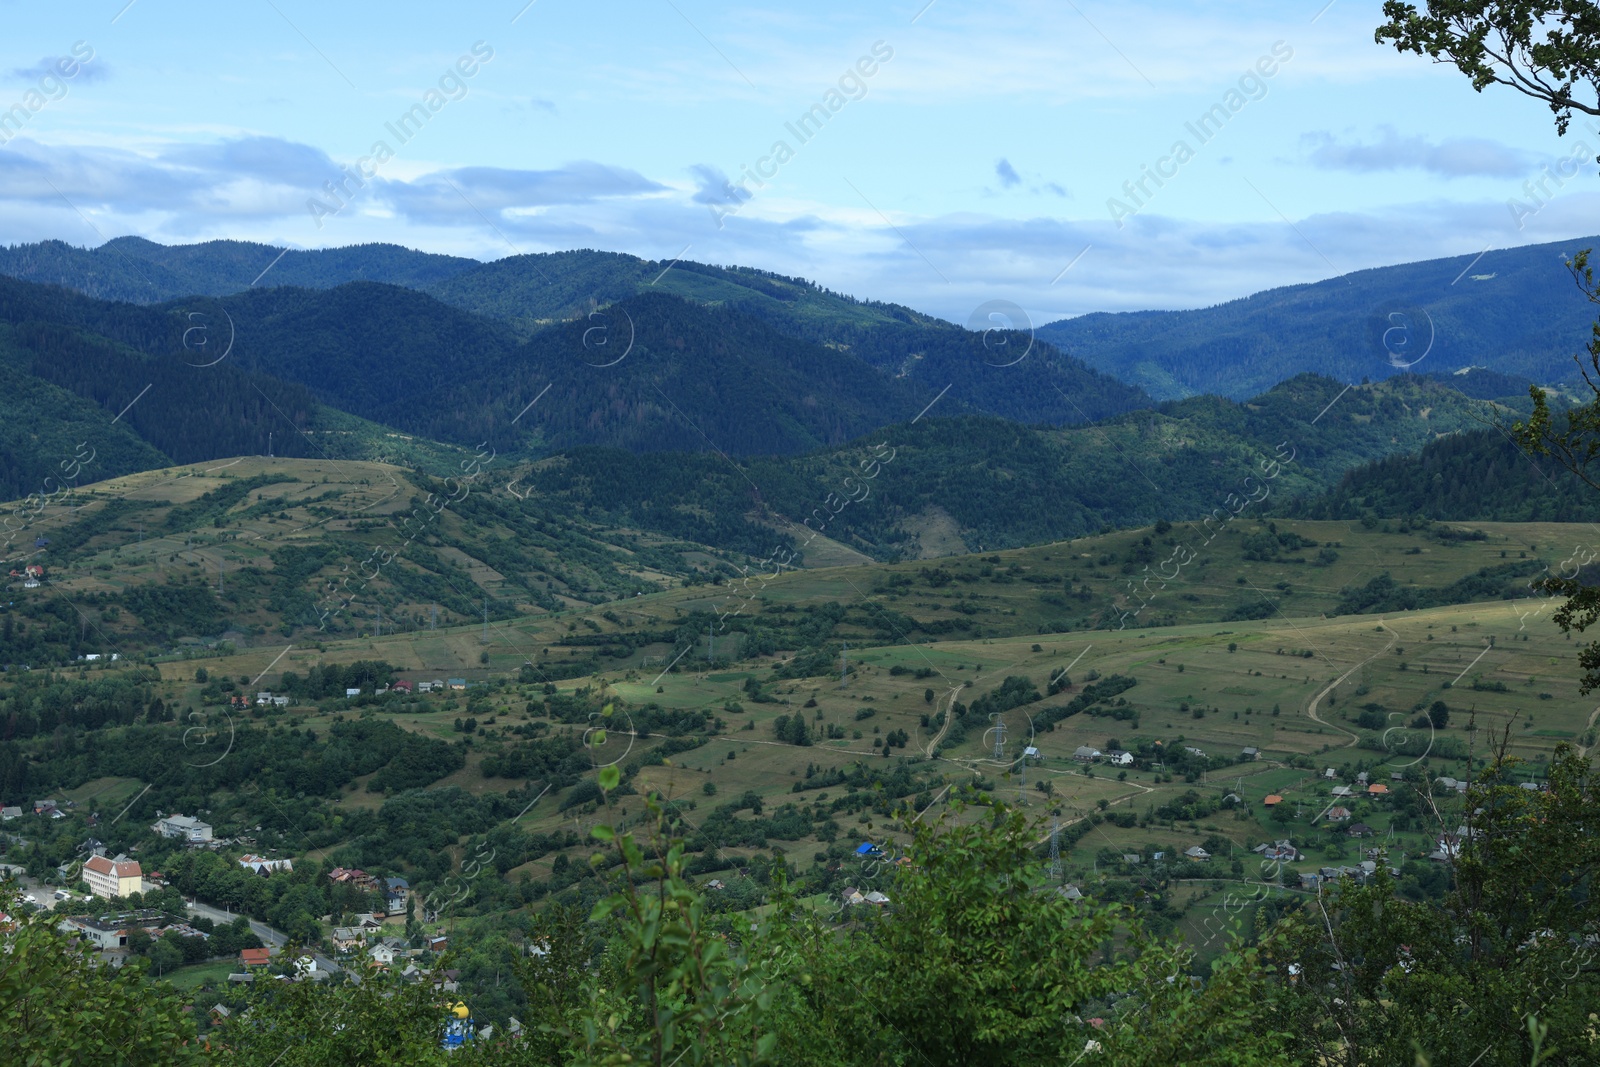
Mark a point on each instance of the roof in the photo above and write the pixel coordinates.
(124, 869)
(397, 883)
(1377, 787)
(1272, 799)
(866, 847)
(254, 955)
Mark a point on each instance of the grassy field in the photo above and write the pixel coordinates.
(1398, 662)
(192, 976)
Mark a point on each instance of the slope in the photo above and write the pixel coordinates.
(1517, 313)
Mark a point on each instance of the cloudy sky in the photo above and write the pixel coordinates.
(957, 152)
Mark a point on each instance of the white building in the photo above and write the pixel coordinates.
(113, 878)
(183, 827)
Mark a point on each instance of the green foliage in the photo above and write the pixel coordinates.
(60, 1008)
(1477, 977)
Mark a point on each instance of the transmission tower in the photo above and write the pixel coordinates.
(844, 664)
(999, 738)
(1055, 850)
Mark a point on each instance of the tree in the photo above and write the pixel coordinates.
(980, 961)
(1546, 49)
(1439, 714)
(58, 1005)
(164, 956)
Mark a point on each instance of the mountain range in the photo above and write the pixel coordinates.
(604, 378)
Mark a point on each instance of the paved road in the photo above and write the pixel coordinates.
(268, 935)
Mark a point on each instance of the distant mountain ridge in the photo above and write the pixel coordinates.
(1514, 311)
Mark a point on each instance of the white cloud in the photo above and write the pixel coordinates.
(1453, 157)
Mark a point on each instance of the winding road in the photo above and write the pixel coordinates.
(1311, 709)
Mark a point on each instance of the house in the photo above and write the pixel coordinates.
(1120, 759)
(1273, 800)
(1132, 857)
(369, 921)
(1397, 776)
(1338, 814)
(716, 884)
(397, 891)
(1085, 754)
(867, 848)
(850, 895)
(263, 866)
(424, 687)
(281, 702)
(1250, 753)
(353, 691)
(1378, 789)
(7, 814)
(1198, 854)
(1361, 779)
(1360, 829)
(43, 807)
(219, 1012)
(1198, 753)
(183, 827)
(1330, 773)
(109, 878)
(1071, 892)
(1343, 791)
(1451, 783)
(876, 899)
(1277, 851)
(438, 944)
(346, 938)
(255, 957)
(305, 966)
(458, 683)
(353, 876)
(383, 955)
(402, 686)
(57, 813)
(263, 699)
(1308, 880)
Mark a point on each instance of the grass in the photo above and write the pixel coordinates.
(192, 976)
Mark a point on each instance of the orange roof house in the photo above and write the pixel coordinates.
(255, 957)
(1377, 789)
(1273, 800)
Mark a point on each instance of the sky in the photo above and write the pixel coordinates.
(942, 155)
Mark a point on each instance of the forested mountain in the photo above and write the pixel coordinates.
(1517, 312)
(653, 372)
(1475, 476)
(1514, 312)
(143, 272)
(971, 482)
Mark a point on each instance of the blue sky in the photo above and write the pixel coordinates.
(974, 157)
